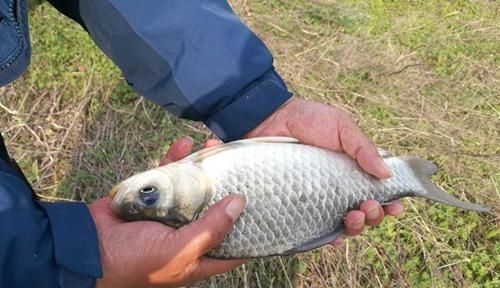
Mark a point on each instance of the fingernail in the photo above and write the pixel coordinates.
(235, 206)
(386, 172)
(372, 213)
(214, 141)
(398, 209)
(358, 224)
(186, 140)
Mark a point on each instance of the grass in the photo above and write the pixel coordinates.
(420, 77)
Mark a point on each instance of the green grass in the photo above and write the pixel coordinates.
(420, 77)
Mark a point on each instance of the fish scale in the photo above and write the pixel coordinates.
(297, 195)
(314, 177)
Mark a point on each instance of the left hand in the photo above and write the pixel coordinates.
(332, 128)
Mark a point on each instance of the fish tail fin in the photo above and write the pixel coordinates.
(424, 169)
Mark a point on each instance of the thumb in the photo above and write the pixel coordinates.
(355, 143)
(205, 233)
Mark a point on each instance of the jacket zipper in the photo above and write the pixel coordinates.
(13, 58)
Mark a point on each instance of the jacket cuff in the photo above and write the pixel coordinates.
(70, 279)
(251, 108)
(76, 246)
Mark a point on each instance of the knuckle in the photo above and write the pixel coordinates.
(225, 220)
(192, 271)
(215, 236)
(219, 229)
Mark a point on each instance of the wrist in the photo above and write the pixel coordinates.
(277, 123)
(250, 107)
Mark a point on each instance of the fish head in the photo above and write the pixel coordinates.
(172, 194)
(144, 196)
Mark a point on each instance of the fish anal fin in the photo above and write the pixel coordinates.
(318, 242)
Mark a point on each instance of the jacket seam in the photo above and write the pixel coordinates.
(18, 49)
(142, 38)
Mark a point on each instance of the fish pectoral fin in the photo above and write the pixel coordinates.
(318, 242)
(207, 152)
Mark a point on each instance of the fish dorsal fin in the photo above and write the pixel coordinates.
(318, 242)
(268, 139)
(207, 152)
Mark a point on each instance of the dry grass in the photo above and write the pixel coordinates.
(420, 78)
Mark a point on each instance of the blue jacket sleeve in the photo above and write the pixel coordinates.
(41, 244)
(194, 58)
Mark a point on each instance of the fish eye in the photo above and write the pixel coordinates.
(147, 190)
(149, 195)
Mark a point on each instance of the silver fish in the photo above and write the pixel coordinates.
(297, 195)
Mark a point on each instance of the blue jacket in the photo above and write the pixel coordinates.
(194, 58)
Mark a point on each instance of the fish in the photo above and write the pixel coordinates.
(297, 195)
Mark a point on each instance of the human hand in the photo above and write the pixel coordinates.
(332, 128)
(150, 254)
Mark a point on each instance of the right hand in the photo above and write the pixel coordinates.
(150, 254)
(332, 128)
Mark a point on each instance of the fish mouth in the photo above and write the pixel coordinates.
(116, 199)
(114, 191)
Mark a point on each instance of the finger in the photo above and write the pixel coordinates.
(211, 143)
(207, 267)
(178, 150)
(374, 214)
(354, 222)
(204, 234)
(368, 159)
(359, 147)
(394, 208)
